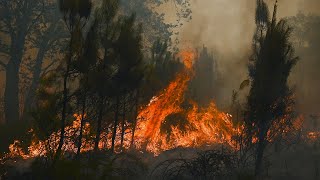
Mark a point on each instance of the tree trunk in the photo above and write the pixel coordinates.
(116, 116)
(277, 144)
(37, 70)
(260, 152)
(82, 123)
(123, 122)
(135, 119)
(11, 93)
(64, 110)
(97, 139)
(317, 169)
(30, 99)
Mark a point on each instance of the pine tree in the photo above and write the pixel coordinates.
(85, 65)
(75, 14)
(270, 97)
(130, 65)
(202, 85)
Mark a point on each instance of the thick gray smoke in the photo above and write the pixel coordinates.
(227, 27)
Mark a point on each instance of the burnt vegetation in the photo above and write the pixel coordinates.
(101, 90)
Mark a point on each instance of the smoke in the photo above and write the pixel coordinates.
(227, 28)
(292, 7)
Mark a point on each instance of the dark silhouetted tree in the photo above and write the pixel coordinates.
(18, 20)
(49, 40)
(75, 14)
(128, 49)
(202, 85)
(106, 17)
(84, 65)
(164, 65)
(154, 23)
(270, 99)
(46, 110)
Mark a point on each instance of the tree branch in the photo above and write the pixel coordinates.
(3, 30)
(4, 49)
(9, 27)
(46, 70)
(33, 22)
(3, 65)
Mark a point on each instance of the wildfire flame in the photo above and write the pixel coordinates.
(203, 125)
(165, 123)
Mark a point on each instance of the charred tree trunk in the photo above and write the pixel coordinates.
(97, 139)
(135, 119)
(277, 144)
(316, 169)
(123, 122)
(30, 99)
(116, 116)
(101, 107)
(64, 110)
(11, 93)
(82, 122)
(260, 151)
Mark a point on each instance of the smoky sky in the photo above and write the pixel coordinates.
(226, 27)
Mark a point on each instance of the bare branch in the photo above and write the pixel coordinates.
(3, 65)
(46, 70)
(8, 25)
(36, 19)
(4, 49)
(4, 30)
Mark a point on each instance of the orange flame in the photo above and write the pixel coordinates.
(204, 125)
(165, 123)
